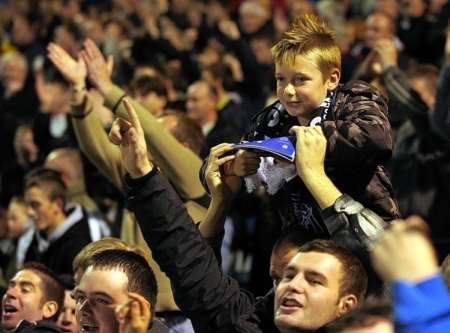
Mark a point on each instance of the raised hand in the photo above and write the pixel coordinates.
(129, 136)
(404, 252)
(310, 151)
(99, 69)
(220, 185)
(245, 164)
(73, 70)
(387, 52)
(134, 316)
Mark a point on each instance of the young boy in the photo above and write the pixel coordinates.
(353, 118)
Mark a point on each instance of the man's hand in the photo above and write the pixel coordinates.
(245, 164)
(130, 137)
(310, 152)
(134, 316)
(73, 70)
(99, 69)
(447, 49)
(229, 29)
(404, 252)
(221, 186)
(387, 52)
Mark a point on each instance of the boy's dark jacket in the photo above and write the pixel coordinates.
(359, 144)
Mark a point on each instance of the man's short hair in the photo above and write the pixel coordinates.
(186, 130)
(49, 180)
(141, 278)
(52, 289)
(145, 84)
(309, 36)
(81, 260)
(354, 276)
(365, 316)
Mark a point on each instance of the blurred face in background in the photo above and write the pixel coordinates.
(67, 321)
(17, 219)
(378, 26)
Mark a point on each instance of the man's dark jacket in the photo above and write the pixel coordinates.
(211, 299)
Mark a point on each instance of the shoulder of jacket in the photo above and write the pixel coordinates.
(266, 111)
(359, 92)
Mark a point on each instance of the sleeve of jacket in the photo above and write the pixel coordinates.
(212, 300)
(351, 225)
(422, 307)
(94, 143)
(360, 133)
(179, 164)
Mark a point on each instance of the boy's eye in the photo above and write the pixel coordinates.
(299, 80)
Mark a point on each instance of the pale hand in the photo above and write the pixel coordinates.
(310, 150)
(73, 70)
(387, 52)
(245, 164)
(129, 136)
(135, 315)
(220, 185)
(98, 68)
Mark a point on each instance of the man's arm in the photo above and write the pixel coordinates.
(211, 299)
(178, 163)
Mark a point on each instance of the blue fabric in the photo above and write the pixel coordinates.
(422, 307)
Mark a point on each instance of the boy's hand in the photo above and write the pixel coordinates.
(134, 316)
(221, 186)
(73, 70)
(99, 69)
(310, 150)
(404, 252)
(246, 163)
(130, 137)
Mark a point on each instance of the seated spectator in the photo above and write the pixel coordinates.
(116, 280)
(20, 232)
(68, 162)
(67, 321)
(151, 92)
(33, 294)
(26, 158)
(62, 229)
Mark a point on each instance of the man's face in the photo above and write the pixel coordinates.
(43, 211)
(377, 27)
(23, 299)
(16, 219)
(279, 260)
(67, 321)
(307, 296)
(200, 102)
(97, 296)
(301, 87)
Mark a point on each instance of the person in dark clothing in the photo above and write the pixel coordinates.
(34, 294)
(353, 118)
(214, 301)
(62, 229)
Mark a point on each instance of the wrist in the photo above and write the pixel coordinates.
(105, 87)
(141, 170)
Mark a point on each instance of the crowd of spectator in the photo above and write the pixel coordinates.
(125, 207)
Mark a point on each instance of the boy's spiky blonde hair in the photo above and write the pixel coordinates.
(309, 36)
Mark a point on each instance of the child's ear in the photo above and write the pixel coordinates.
(333, 79)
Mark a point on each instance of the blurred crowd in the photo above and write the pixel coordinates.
(199, 73)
